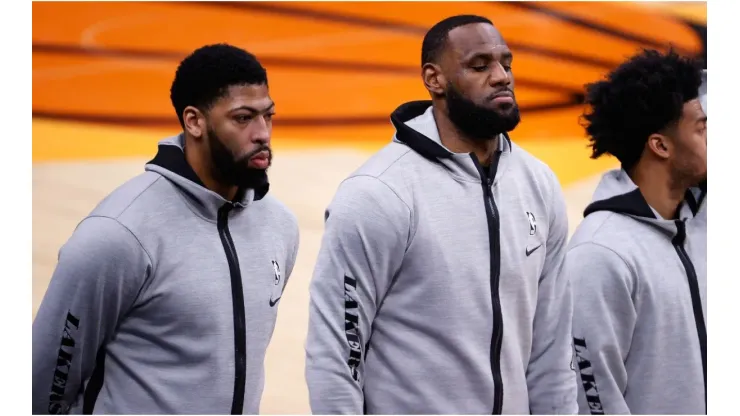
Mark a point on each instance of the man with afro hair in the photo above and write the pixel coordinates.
(637, 261)
(165, 297)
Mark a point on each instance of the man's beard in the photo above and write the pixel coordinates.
(229, 170)
(687, 169)
(685, 175)
(477, 122)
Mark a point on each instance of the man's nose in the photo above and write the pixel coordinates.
(499, 77)
(260, 131)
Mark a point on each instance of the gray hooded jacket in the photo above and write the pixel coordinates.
(164, 299)
(437, 286)
(639, 284)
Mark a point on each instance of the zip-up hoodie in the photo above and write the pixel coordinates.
(639, 284)
(164, 298)
(437, 286)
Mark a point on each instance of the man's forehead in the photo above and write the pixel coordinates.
(693, 110)
(253, 96)
(476, 37)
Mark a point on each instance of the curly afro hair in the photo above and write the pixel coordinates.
(643, 96)
(206, 74)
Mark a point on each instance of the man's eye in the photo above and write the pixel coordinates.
(480, 68)
(242, 118)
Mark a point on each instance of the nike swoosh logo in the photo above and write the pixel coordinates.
(532, 250)
(273, 302)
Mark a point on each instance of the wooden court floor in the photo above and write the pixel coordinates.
(337, 70)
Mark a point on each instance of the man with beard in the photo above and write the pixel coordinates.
(437, 288)
(164, 297)
(638, 260)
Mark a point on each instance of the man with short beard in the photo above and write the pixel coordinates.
(165, 296)
(437, 288)
(638, 260)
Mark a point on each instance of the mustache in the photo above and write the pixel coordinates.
(260, 148)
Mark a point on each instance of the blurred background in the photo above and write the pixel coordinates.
(102, 72)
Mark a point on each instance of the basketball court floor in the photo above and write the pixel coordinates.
(337, 70)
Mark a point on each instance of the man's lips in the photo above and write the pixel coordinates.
(261, 155)
(502, 97)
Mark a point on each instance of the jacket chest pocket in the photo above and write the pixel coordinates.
(277, 281)
(523, 245)
(264, 281)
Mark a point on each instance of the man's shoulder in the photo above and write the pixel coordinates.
(128, 196)
(384, 162)
(606, 230)
(534, 178)
(143, 206)
(388, 173)
(530, 162)
(277, 211)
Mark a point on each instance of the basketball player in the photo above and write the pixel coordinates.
(437, 288)
(638, 260)
(165, 296)
(700, 191)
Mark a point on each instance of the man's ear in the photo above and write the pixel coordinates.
(660, 145)
(434, 79)
(194, 121)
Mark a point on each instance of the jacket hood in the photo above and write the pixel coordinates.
(617, 193)
(416, 127)
(170, 162)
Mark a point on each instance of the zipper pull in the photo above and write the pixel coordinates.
(488, 191)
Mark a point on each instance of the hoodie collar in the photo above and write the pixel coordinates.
(170, 162)
(618, 193)
(416, 127)
(696, 197)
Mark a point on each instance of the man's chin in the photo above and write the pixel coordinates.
(258, 165)
(507, 124)
(251, 179)
(702, 182)
(508, 117)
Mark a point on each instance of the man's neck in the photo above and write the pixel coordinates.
(658, 189)
(202, 169)
(454, 140)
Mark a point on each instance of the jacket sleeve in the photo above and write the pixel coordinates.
(293, 251)
(550, 375)
(365, 236)
(99, 272)
(603, 323)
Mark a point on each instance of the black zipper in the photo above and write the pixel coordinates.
(237, 299)
(492, 215)
(701, 328)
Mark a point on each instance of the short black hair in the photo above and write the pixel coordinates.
(436, 37)
(642, 96)
(206, 74)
